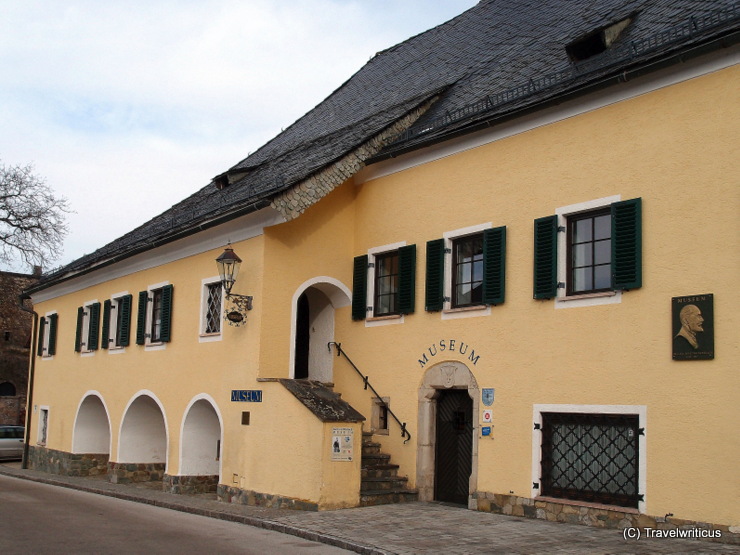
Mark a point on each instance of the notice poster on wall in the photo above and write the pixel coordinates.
(342, 444)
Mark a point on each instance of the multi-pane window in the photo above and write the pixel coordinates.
(87, 334)
(386, 284)
(117, 322)
(121, 321)
(154, 317)
(590, 252)
(213, 308)
(47, 339)
(155, 330)
(591, 457)
(467, 271)
(592, 247)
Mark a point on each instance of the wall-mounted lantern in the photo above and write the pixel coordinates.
(228, 268)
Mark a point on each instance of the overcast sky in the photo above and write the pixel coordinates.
(127, 107)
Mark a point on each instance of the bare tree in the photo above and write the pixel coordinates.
(32, 218)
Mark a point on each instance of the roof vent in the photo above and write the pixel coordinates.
(227, 178)
(597, 42)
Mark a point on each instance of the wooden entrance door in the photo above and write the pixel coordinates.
(454, 446)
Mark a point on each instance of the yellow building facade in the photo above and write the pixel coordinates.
(474, 281)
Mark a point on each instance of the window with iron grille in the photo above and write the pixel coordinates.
(213, 308)
(591, 457)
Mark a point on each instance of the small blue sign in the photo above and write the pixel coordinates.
(485, 430)
(487, 396)
(246, 395)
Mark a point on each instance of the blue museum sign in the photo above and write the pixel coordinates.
(246, 395)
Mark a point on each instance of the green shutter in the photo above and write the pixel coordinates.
(40, 342)
(78, 331)
(406, 279)
(106, 324)
(52, 348)
(141, 318)
(545, 257)
(93, 330)
(494, 265)
(434, 289)
(166, 334)
(124, 333)
(627, 244)
(359, 288)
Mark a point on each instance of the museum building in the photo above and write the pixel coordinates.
(495, 268)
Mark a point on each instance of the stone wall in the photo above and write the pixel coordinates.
(189, 485)
(13, 411)
(66, 464)
(600, 516)
(126, 473)
(229, 494)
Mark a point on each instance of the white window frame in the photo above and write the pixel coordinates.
(150, 345)
(205, 337)
(85, 332)
(45, 339)
(562, 299)
(639, 410)
(115, 305)
(42, 433)
(448, 312)
(390, 319)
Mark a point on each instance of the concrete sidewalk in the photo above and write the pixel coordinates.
(396, 529)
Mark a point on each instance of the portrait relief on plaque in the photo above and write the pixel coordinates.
(693, 327)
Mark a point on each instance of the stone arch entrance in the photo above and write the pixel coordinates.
(201, 440)
(439, 380)
(314, 305)
(91, 432)
(143, 441)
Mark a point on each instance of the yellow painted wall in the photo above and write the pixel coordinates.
(676, 148)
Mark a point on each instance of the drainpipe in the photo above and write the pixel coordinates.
(31, 371)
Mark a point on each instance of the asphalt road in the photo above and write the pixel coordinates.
(39, 518)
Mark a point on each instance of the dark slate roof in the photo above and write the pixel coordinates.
(326, 405)
(493, 61)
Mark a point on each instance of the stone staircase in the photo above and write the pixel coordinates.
(381, 483)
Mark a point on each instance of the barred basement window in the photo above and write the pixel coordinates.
(591, 457)
(213, 308)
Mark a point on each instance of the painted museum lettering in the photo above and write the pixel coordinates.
(449, 345)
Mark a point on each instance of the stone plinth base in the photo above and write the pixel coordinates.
(67, 464)
(189, 485)
(126, 473)
(601, 516)
(230, 494)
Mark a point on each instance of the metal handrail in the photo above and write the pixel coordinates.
(404, 432)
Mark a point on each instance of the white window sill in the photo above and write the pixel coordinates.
(589, 299)
(155, 346)
(384, 320)
(116, 350)
(209, 337)
(466, 312)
